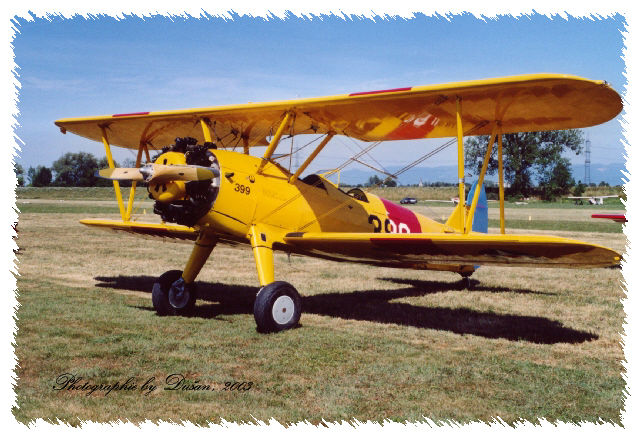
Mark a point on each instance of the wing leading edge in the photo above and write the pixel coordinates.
(473, 249)
(163, 231)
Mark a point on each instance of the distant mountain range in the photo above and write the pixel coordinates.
(610, 173)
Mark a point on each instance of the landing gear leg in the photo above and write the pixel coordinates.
(174, 293)
(466, 272)
(278, 305)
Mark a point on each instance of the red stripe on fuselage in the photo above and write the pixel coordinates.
(402, 218)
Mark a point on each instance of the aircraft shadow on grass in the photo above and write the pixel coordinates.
(376, 306)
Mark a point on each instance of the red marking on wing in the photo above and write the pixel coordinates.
(616, 218)
(414, 127)
(373, 92)
(399, 215)
(142, 113)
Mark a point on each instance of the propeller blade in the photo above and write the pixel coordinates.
(132, 174)
(156, 173)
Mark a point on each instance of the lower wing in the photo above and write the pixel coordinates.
(473, 249)
(164, 231)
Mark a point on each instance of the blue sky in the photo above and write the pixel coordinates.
(78, 67)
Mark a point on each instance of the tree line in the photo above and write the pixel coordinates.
(527, 157)
(73, 169)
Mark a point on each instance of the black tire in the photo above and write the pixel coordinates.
(466, 281)
(289, 307)
(180, 301)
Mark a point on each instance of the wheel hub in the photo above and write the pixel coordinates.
(178, 294)
(282, 310)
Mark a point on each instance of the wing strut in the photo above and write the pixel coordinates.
(116, 184)
(274, 142)
(132, 192)
(501, 180)
(124, 213)
(204, 123)
(460, 136)
(312, 156)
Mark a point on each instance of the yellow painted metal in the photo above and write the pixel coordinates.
(274, 141)
(132, 192)
(167, 191)
(483, 171)
(312, 156)
(501, 181)
(205, 130)
(261, 244)
(162, 231)
(116, 184)
(199, 255)
(538, 102)
(475, 248)
(460, 137)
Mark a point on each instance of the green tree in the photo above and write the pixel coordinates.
(526, 155)
(19, 170)
(40, 176)
(76, 169)
(79, 169)
(556, 181)
(390, 182)
(374, 180)
(579, 189)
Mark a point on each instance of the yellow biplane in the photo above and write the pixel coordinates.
(208, 188)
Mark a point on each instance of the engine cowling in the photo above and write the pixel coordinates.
(186, 202)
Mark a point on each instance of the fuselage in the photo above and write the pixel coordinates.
(247, 196)
(311, 204)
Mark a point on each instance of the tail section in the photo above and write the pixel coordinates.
(455, 220)
(481, 216)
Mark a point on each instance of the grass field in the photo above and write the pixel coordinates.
(373, 344)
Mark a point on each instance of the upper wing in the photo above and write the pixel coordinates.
(473, 249)
(538, 102)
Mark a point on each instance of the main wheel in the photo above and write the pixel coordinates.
(277, 307)
(172, 296)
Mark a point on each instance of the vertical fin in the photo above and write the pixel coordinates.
(481, 216)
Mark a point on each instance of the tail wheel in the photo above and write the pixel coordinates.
(278, 306)
(172, 296)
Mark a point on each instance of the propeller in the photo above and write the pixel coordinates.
(157, 173)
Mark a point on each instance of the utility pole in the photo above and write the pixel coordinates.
(587, 161)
